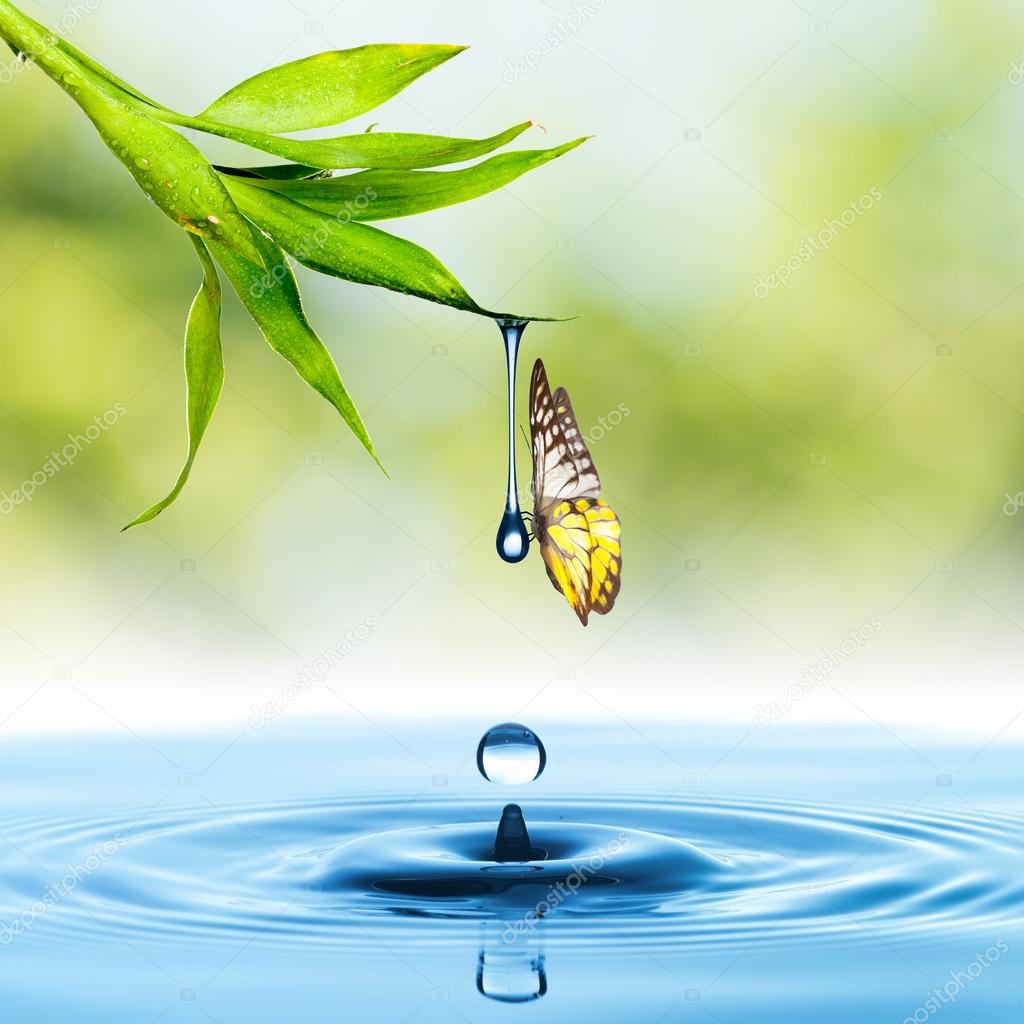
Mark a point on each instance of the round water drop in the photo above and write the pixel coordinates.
(510, 754)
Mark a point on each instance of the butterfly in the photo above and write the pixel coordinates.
(579, 535)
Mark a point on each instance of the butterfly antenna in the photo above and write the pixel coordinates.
(529, 446)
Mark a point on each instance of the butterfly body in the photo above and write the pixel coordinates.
(578, 534)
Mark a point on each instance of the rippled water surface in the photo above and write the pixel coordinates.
(349, 872)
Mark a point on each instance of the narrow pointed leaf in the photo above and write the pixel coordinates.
(271, 295)
(383, 195)
(386, 150)
(326, 89)
(353, 251)
(204, 372)
(390, 150)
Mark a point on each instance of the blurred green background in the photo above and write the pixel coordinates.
(795, 460)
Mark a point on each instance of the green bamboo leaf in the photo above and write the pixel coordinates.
(271, 295)
(388, 150)
(384, 195)
(353, 251)
(385, 150)
(327, 89)
(204, 372)
(168, 168)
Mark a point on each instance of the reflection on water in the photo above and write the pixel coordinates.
(637, 894)
(511, 970)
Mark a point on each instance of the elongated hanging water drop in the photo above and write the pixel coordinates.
(513, 541)
(510, 754)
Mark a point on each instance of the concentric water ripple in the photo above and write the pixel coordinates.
(644, 872)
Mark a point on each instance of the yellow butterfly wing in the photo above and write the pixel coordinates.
(606, 556)
(605, 528)
(566, 545)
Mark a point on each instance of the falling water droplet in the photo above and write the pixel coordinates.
(513, 541)
(510, 754)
